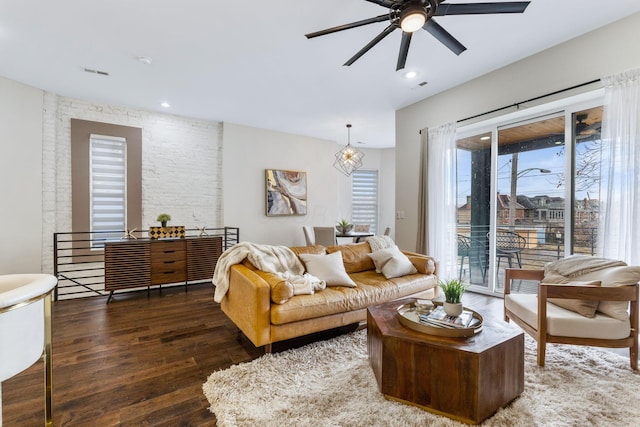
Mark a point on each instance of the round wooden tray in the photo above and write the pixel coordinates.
(408, 316)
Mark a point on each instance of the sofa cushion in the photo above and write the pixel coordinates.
(327, 267)
(566, 323)
(372, 289)
(392, 263)
(354, 256)
(586, 308)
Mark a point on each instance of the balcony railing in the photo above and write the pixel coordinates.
(539, 246)
(79, 258)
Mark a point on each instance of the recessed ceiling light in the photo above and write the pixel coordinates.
(146, 60)
(484, 138)
(165, 104)
(410, 75)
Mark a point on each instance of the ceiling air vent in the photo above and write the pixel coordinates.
(422, 84)
(102, 73)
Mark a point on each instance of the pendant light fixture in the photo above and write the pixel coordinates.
(348, 159)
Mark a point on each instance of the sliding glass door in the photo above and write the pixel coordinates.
(530, 205)
(527, 193)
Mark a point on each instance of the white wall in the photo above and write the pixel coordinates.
(603, 52)
(20, 178)
(249, 151)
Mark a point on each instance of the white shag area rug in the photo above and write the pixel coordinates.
(330, 383)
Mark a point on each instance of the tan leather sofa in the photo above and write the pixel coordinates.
(249, 302)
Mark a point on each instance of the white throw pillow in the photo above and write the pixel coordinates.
(615, 276)
(392, 263)
(381, 257)
(329, 268)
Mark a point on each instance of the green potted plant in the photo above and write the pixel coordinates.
(344, 226)
(453, 290)
(163, 218)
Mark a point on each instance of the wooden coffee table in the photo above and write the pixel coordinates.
(467, 379)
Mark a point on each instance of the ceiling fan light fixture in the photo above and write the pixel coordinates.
(413, 18)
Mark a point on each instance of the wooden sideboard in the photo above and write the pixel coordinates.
(150, 262)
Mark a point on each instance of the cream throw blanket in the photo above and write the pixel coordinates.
(279, 260)
(577, 265)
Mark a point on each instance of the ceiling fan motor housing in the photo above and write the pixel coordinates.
(399, 11)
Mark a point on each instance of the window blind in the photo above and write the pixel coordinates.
(108, 189)
(364, 198)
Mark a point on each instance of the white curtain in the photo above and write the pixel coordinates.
(619, 227)
(439, 148)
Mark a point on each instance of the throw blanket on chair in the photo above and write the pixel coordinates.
(278, 260)
(578, 265)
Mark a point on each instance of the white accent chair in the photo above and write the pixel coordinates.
(25, 328)
(549, 323)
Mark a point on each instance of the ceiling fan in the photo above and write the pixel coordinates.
(584, 130)
(411, 15)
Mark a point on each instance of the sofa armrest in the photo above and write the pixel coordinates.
(423, 263)
(248, 304)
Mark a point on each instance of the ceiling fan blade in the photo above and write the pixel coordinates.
(480, 8)
(356, 24)
(404, 50)
(383, 3)
(443, 36)
(371, 44)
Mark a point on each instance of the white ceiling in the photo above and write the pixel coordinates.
(248, 62)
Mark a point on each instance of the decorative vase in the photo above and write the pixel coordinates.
(453, 309)
(344, 229)
(163, 223)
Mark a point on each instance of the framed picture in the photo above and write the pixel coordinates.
(286, 192)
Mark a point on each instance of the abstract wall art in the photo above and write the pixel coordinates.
(286, 192)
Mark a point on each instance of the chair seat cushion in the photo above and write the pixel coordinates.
(566, 323)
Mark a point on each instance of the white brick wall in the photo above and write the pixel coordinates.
(181, 165)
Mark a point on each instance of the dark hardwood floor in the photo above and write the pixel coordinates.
(142, 361)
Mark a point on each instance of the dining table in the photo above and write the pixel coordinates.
(355, 235)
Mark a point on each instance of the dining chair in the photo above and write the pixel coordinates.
(325, 236)
(308, 235)
(360, 228)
